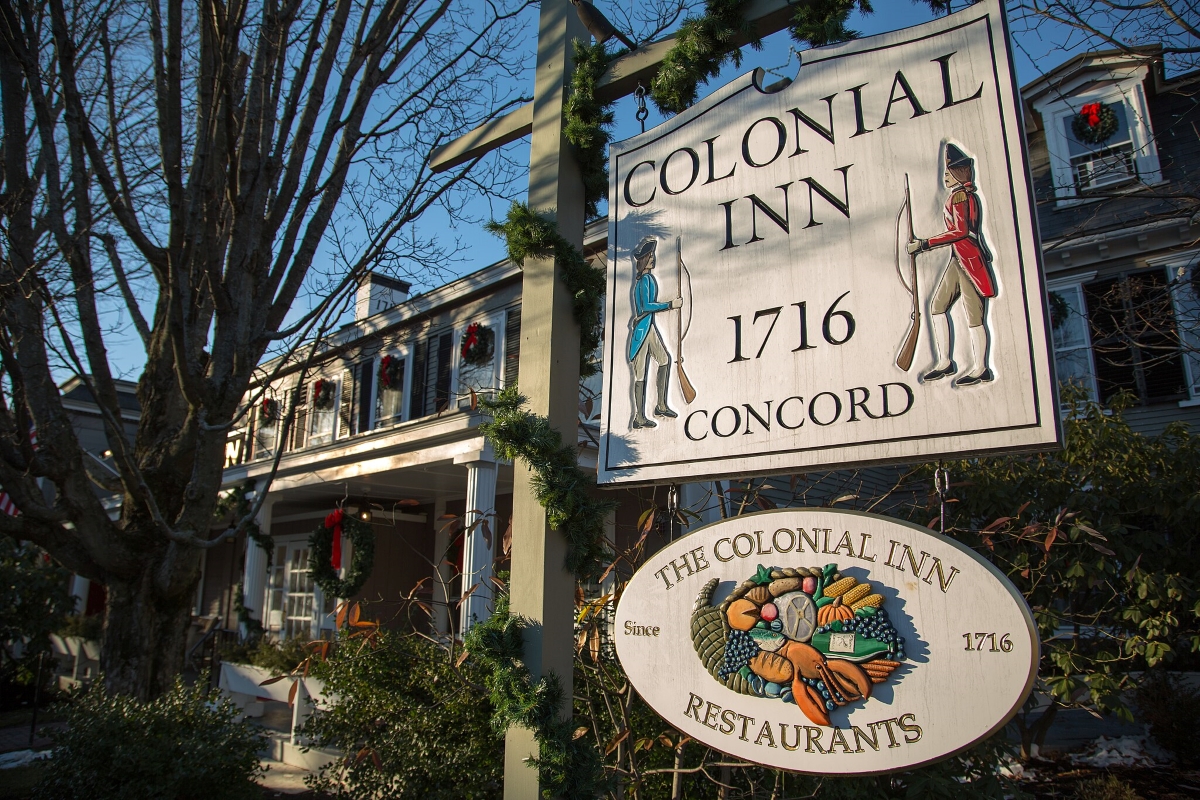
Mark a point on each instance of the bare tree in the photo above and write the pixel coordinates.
(195, 167)
(1125, 26)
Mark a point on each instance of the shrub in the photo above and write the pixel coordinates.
(89, 627)
(278, 657)
(1110, 787)
(1170, 708)
(1100, 539)
(186, 745)
(410, 726)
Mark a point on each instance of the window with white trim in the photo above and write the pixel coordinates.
(1184, 276)
(265, 419)
(1135, 339)
(1096, 166)
(1128, 157)
(323, 408)
(481, 338)
(1072, 342)
(392, 381)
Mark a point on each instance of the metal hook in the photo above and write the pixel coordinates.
(941, 485)
(672, 508)
(639, 95)
(345, 495)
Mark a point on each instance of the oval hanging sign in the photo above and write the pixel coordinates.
(826, 641)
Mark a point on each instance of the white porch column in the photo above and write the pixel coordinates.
(254, 574)
(442, 570)
(79, 591)
(477, 553)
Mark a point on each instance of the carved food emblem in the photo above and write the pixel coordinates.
(804, 635)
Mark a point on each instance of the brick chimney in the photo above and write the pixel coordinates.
(378, 293)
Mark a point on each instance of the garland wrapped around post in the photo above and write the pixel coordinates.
(569, 767)
(586, 121)
(325, 559)
(560, 486)
(526, 234)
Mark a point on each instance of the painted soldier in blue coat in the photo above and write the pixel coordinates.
(645, 342)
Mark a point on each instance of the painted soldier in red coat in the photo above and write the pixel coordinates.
(967, 277)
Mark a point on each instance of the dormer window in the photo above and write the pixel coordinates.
(1108, 162)
(1116, 152)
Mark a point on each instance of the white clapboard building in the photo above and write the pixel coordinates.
(1123, 270)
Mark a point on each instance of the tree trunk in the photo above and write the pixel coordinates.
(144, 635)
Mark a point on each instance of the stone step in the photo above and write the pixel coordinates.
(280, 749)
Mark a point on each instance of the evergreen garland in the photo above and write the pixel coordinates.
(362, 558)
(567, 767)
(559, 485)
(702, 47)
(585, 122)
(236, 502)
(529, 234)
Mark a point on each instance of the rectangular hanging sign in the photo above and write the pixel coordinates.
(843, 271)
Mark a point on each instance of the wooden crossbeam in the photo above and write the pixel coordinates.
(623, 76)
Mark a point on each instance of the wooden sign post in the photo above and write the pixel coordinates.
(541, 589)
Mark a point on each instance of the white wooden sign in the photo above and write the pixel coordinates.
(826, 641)
(843, 271)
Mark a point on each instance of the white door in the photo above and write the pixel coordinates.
(290, 596)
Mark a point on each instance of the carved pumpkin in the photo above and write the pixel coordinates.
(834, 611)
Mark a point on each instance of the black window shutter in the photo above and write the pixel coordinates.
(512, 346)
(251, 428)
(366, 391)
(299, 434)
(420, 364)
(346, 420)
(445, 362)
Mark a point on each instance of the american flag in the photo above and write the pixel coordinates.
(7, 506)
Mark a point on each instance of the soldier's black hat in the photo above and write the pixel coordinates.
(645, 247)
(957, 158)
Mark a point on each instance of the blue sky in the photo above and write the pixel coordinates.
(1034, 51)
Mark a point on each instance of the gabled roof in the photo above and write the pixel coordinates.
(75, 389)
(1101, 63)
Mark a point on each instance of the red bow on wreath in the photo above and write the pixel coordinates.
(472, 336)
(1091, 112)
(334, 521)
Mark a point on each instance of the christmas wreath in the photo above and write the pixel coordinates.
(325, 545)
(478, 344)
(391, 373)
(268, 412)
(1095, 123)
(323, 394)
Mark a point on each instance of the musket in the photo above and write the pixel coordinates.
(685, 385)
(904, 358)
